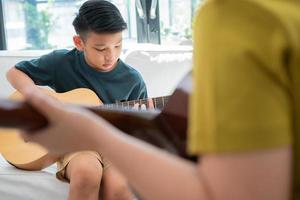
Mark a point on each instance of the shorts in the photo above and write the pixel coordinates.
(63, 162)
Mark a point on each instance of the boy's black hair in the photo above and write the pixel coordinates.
(98, 16)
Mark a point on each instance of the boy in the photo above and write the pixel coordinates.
(93, 64)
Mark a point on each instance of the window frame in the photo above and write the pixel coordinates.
(2, 28)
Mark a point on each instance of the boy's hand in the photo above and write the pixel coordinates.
(143, 106)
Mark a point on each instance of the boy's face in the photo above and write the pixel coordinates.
(101, 51)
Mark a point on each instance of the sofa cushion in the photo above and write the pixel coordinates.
(162, 67)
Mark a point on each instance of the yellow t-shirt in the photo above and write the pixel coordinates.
(246, 91)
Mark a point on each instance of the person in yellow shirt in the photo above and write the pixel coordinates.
(244, 113)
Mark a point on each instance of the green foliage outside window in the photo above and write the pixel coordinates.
(38, 26)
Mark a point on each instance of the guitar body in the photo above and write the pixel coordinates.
(29, 156)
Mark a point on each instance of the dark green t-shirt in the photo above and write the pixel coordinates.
(65, 70)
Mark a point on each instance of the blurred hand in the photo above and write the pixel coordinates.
(69, 129)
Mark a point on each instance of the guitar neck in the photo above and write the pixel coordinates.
(157, 102)
(18, 114)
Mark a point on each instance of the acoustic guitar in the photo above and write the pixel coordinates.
(164, 127)
(30, 156)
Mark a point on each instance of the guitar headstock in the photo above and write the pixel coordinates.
(175, 115)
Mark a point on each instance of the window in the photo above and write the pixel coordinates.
(47, 24)
(176, 20)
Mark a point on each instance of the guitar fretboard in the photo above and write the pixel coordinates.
(158, 103)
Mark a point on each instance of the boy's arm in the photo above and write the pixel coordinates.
(19, 80)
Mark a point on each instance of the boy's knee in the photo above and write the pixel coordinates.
(120, 191)
(86, 178)
(83, 176)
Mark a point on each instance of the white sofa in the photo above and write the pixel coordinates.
(7, 60)
(162, 67)
(18, 184)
